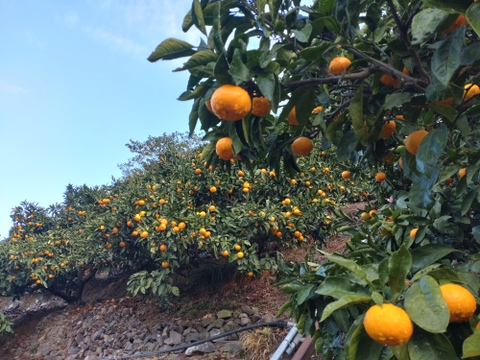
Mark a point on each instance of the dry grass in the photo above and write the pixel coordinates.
(260, 344)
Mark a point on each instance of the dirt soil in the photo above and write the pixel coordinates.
(195, 303)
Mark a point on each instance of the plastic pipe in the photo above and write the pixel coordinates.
(284, 344)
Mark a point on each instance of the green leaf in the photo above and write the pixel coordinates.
(476, 233)
(284, 308)
(304, 34)
(471, 54)
(458, 6)
(359, 345)
(171, 48)
(447, 111)
(346, 146)
(425, 24)
(446, 59)
(473, 17)
(348, 264)
(238, 70)
(356, 113)
(197, 16)
(425, 305)
(468, 200)
(471, 345)
(200, 58)
(304, 292)
(337, 287)
(428, 254)
(268, 84)
(430, 150)
(398, 267)
(424, 345)
(216, 32)
(344, 302)
(397, 99)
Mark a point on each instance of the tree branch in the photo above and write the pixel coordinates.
(418, 84)
(404, 35)
(360, 75)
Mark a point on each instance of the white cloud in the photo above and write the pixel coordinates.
(132, 26)
(9, 88)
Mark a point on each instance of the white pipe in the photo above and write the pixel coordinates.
(283, 346)
(293, 344)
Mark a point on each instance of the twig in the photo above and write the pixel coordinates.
(404, 35)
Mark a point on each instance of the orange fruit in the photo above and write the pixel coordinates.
(365, 216)
(302, 146)
(224, 149)
(260, 106)
(471, 90)
(461, 303)
(389, 80)
(231, 102)
(380, 176)
(144, 234)
(292, 117)
(225, 253)
(208, 104)
(213, 189)
(413, 233)
(346, 174)
(122, 244)
(447, 101)
(462, 172)
(250, 274)
(372, 212)
(338, 65)
(317, 110)
(413, 140)
(240, 255)
(459, 22)
(165, 264)
(388, 128)
(162, 248)
(388, 324)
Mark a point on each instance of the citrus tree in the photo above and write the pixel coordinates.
(394, 86)
(169, 214)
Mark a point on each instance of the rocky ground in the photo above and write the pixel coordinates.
(121, 326)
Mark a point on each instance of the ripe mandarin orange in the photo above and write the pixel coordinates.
(292, 117)
(461, 303)
(380, 176)
(388, 128)
(224, 149)
(260, 106)
(231, 102)
(413, 140)
(302, 146)
(388, 324)
(389, 80)
(338, 65)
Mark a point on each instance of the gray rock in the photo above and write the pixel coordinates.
(245, 321)
(201, 349)
(230, 346)
(218, 323)
(174, 338)
(248, 310)
(191, 337)
(207, 321)
(224, 314)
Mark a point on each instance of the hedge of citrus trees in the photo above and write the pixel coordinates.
(394, 85)
(170, 213)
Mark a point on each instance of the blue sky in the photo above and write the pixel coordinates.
(75, 87)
